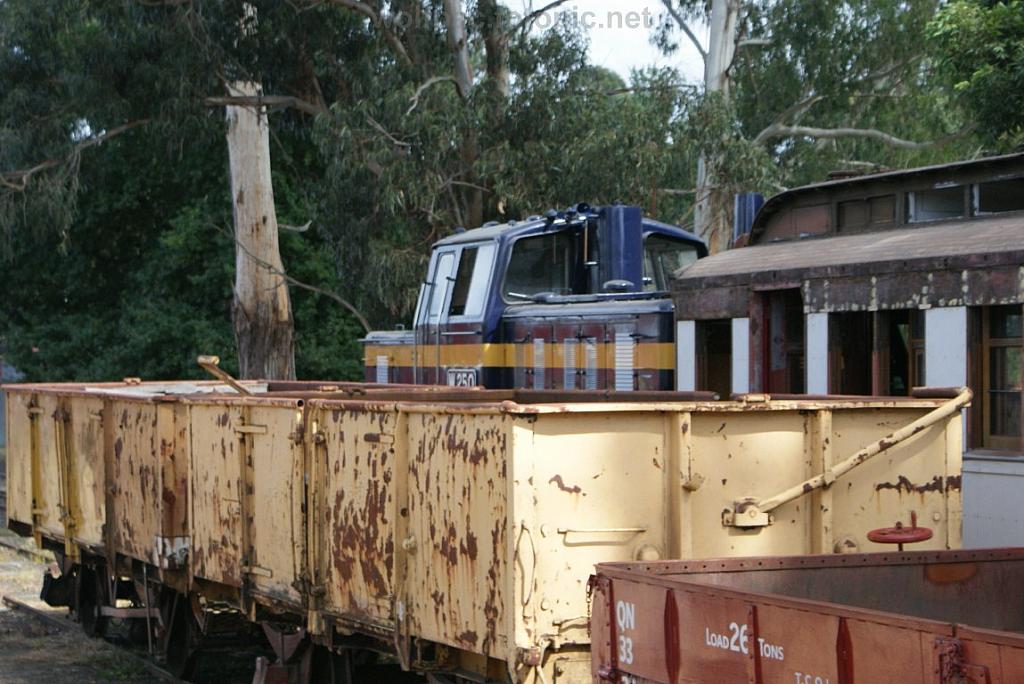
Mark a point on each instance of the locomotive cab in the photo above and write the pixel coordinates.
(546, 303)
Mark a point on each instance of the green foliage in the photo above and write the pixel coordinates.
(396, 176)
(979, 47)
(831, 64)
(118, 258)
(738, 163)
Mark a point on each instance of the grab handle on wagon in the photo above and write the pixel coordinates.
(752, 512)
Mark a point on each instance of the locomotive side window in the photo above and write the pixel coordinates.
(543, 263)
(470, 289)
(663, 258)
(440, 282)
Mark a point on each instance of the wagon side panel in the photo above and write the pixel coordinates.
(359, 511)
(597, 485)
(459, 530)
(215, 493)
(88, 470)
(278, 488)
(48, 480)
(662, 632)
(136, 478)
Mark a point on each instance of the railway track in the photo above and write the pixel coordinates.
(65, 625)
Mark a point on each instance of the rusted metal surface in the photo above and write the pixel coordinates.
(355, 459)
(866, 617)
(466, 519)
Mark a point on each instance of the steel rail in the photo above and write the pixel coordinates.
(66, 625)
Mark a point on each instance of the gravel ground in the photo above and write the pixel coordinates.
(35, 652)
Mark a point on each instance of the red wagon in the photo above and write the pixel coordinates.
(908, 618)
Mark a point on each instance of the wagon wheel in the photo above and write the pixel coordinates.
(182, 635)
(90, 598)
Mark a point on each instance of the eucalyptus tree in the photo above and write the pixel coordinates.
(794, 88)
(390, 122)
(979, 47)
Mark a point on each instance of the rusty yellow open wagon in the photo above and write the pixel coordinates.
(449, 531)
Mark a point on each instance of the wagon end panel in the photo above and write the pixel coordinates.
(919, 478)
(19, 459)
(458, 544)
(357, 512)
(758, 454)
(747, 454)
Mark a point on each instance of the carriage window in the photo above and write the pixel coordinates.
(470, 289)
(999, 196)
(867, 212)
(1002, 376)
(937, 203)
(663, 258)
(543, 263)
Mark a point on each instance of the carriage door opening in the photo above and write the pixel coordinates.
(851, 342)
(785, 345)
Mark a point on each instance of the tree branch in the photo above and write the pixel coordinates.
(777, 130)
(686, 28)
(383, 131)
(273, 101)
(527, 21)
(753, 42)
(18, 180)
(379, 23)
(798, 108)
(305, 286)
(427, 84)
(646, 89)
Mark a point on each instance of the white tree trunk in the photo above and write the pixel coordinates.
(264, 330)
(712, 212)
(496, 45)
(458, 41)
(455, 22)
(721, 45)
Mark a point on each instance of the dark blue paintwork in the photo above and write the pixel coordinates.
(629, 263)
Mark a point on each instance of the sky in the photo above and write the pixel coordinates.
(620, 33)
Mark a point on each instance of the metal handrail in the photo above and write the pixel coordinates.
(754, 512)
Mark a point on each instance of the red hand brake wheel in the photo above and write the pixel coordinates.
(901, 535)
